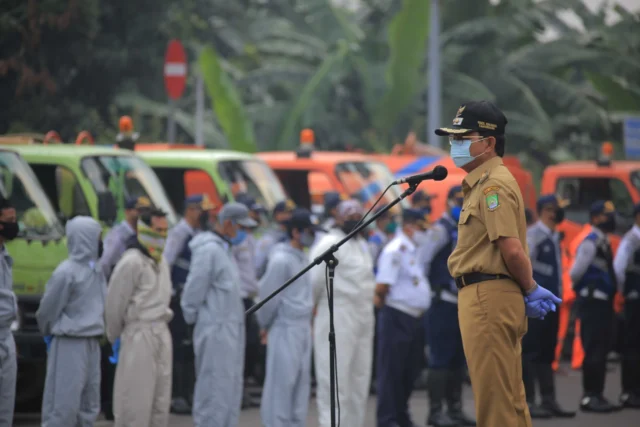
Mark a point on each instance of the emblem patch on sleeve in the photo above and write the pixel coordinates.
(492, 201)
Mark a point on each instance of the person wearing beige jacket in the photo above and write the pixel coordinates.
(137, 312)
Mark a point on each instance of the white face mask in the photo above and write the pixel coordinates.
(460, 151)
(419, 237)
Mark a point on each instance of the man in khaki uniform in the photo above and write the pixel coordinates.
(491, 267)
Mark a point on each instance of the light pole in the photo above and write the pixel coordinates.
(434, 106)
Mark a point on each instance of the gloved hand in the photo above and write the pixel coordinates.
(47, 341)
(540, 302)
(115, 347)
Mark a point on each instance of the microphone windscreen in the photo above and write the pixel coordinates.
(440, 173)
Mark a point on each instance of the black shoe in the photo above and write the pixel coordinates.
(180, 406)
(630, 400)
(457, 415)
(596, 404)
(440, 419)
(537, 411)
(108, 415)
(550, 405)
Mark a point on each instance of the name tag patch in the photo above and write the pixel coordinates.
(492, 202)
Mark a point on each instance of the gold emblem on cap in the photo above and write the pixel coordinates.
(608, 206)
(562, 203)
(460, 110)
(143, 202)
(289, 205)
(206, 203)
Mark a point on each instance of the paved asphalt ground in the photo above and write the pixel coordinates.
(568, 388)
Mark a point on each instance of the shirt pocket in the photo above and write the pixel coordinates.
(470, 228)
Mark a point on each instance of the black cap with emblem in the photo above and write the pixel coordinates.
(476, 116)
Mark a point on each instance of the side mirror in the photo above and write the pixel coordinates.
(107, 211)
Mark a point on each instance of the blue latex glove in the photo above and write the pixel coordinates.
(540, 302)
(536, 309)
(115, 347)
(47, 341)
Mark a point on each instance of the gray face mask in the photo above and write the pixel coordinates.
(306, 239)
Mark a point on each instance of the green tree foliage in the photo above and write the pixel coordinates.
(355, 77)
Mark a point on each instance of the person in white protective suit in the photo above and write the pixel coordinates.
(286, 321)
(137, 311)
(71, 316)
(211, 299)
(354, 285)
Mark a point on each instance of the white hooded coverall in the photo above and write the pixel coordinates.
(137, 310)
(72, 310)
(354, 287)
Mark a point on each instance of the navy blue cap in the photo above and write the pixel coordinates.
(249, 202)
(137, 203)
(601, 206)
(284, 206)
(420, 195)
(301, 218)
(455, 192)
(414, 215)
(199, 200)
(332, 199)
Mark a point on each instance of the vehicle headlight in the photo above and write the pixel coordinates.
(15, 325)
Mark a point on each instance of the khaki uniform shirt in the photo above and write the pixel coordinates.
(493, 208)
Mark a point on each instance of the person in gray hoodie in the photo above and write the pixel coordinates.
(286, 321)
(211, 300)
(72, 311)
(8, 314)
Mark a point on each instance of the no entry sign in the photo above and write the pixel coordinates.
(175, 69)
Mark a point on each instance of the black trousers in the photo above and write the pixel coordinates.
(596, 324)
(539, 343)
(631, 347)
(183, 382)
(108, 374)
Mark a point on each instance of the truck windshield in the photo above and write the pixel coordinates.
(127, 177)
(18, 183)
(255, 178)
(367, 180)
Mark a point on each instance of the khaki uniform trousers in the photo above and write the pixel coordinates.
(492, 323)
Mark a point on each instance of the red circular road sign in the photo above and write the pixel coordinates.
(175, 69)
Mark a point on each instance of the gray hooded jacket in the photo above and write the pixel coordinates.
(73, 301)
(212, 292)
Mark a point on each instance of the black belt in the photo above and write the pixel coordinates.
(473, 278)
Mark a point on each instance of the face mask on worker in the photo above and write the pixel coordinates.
(349, 225)
(609, 225)
(306, 238)
(151, 240)
(391, 227)
(460, 151)
(9, 230)
(559, 216)
(240, 236)
(455, 213)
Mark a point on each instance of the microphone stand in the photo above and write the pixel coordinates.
(330, 260)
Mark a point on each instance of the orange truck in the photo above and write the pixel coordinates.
(307, 175)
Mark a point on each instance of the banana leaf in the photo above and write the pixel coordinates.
(227, 104)
(408, 33)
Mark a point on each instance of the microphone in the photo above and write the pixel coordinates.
(437, 174)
